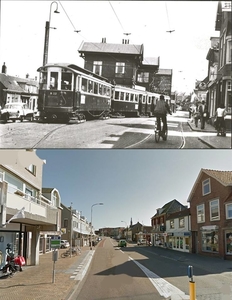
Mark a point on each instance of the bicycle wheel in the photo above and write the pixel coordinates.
(157, 136)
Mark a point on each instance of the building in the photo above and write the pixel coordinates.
(162, 82)
(158, 222)
(223, 25)
(178, 229)
(213, 58)
(123, 64)
(211, 213)
(15, 89)
(75, 228)
(133, 232)
(25, 213)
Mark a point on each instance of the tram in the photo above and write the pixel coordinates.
(67, 91)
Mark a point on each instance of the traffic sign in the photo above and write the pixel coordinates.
(55, 241)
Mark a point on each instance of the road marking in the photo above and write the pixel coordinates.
(164, 288)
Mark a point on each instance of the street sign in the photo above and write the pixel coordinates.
(55, 241)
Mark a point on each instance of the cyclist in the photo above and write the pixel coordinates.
(160, 112)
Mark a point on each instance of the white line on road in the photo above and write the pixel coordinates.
(164, 288)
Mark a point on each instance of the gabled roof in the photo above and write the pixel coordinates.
(111, 48)
(154, 61)
(178, 214)
(10, 83)
(223, 177)
(170, 207)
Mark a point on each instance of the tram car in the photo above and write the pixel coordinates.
(125, 101)
(149, 103)
(67, 91)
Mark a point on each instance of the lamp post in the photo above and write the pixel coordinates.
(47, 29)
(126, 229)
(71, 229)
(92, 224)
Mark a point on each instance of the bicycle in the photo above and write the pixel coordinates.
(75, 252)
(160, 133)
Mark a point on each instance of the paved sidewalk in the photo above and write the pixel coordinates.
(213, 141)
(36, 282)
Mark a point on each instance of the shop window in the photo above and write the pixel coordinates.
(214, 210)
(229, 211)
(201, 213)
(210, 241)
(206, 189)
(229, 242)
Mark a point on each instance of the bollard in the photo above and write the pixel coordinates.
(192, 287)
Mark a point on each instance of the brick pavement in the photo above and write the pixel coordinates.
(36, 282)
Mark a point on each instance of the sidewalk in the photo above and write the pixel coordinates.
(36, 282)
(213, 141)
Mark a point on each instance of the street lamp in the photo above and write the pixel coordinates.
(47, 29)
(126, 229)
(91, 222)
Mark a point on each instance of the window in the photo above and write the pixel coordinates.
(210, 240)
(229, 211)
(54, 80)
(32, 169)
(206, 187)
(181, 222)
(143, 77)
(97, 67)
(66, 81)
(214, 210)
(172, 224)
(201, 213)
(84, 85)
(65, 223)
(228, 51)
(228, 242)
(120, 68)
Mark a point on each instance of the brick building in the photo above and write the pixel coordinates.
(211, 213)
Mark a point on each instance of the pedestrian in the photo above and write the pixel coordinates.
(203, 110)
(196, 114)
(220, 119)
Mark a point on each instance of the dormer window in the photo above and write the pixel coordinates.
(206, 189)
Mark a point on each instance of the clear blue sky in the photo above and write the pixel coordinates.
(130, 183)
(22, 34)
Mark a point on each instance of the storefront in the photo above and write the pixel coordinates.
(179, 241)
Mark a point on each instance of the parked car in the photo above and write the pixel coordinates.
(141, 242)
(17, 111)
(64, 244)
(122, 243)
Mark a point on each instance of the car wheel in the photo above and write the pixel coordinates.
(21, 118)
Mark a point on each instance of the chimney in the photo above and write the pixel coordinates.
(4, 68)
(103, 40)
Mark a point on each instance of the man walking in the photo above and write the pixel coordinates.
(203, 110)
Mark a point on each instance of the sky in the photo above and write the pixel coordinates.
(130, 183)
(184, 50)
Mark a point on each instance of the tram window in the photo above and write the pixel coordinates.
(122, 96)
(84, 85)
(127, 96)
(54, 80)
(132, 96)
(95, 88)
(107, 91)
(100, 89)
(66, 81)
(43, 80)
(117, 95)
(90, 87)
(144, 99)
(136, 97)
(149, 100)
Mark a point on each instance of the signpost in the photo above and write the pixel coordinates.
(55, 245)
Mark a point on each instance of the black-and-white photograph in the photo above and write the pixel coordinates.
(119, 74)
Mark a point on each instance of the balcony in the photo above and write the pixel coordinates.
(37, 210)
